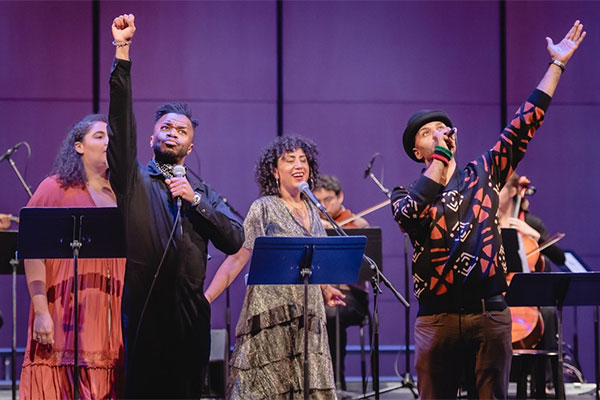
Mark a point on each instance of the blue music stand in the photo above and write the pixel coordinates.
(304, 261)
(64, 232)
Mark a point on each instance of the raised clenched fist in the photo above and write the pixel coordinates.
(123, 28)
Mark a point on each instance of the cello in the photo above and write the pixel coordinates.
(527, 322)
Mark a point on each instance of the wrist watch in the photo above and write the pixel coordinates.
(196, 199)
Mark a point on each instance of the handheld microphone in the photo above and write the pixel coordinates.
(303, 186)
(178, 172)
(530, 190)
(370, 165)
(9, 152)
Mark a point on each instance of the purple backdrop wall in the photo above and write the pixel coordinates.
(353, 72)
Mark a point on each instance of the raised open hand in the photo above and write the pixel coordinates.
(564, 50)
(123, 28)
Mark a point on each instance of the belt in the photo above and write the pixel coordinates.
(494, 303)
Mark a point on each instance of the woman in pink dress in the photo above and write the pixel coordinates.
(79, 179)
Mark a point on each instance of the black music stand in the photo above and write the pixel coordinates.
(365, 274)
(62, 232)
(10, 265)
(372, 249)
(556, 289)
(514, 251)
(306, 260)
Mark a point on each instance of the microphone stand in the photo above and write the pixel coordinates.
(14, 167)
(375, 280)
(385, 190)
(407, 380)
(14, 263)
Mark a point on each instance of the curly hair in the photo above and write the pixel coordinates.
(267, 162)
(68, 165)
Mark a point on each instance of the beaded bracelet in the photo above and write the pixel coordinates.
(439, 157)
(558, 64)
(122, 44)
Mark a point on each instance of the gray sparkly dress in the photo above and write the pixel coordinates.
(267, 361)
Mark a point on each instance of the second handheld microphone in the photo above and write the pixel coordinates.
(178, 172)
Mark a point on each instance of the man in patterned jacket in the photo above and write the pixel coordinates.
(458, 261)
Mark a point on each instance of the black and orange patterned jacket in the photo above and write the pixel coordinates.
(458, 255)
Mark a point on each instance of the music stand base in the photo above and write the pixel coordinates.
(406, 383)
(344, 394)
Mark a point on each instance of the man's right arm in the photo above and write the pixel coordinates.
(122, 146)
(410, 207)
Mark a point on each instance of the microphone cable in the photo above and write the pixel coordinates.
(147, 300)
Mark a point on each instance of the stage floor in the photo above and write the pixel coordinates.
(583, 391)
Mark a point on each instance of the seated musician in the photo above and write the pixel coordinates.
(328, 191)
(527, 223)
(530, 225)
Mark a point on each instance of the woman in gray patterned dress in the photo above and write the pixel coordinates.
(267, 361)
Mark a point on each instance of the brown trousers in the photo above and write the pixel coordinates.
(474, 349)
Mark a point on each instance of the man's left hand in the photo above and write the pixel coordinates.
(564, 50)
(180, 187)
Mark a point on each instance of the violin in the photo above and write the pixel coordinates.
(364, 212)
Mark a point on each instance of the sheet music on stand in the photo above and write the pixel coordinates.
(574, 263)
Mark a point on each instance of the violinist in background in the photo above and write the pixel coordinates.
(328, 191)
